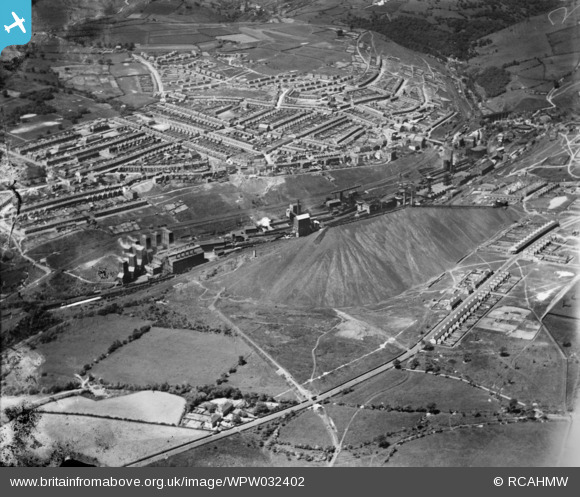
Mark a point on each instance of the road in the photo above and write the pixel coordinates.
(367, 62)
(281, 97)
(153, 72)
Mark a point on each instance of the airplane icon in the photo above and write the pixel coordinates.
(17, 22)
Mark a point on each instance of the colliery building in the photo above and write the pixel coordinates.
(183, 258)
(155, 253)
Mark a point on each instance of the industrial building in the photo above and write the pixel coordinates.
(302, 225)
(183, 258)
(155, 253)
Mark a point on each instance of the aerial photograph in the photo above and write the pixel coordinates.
(290, 233)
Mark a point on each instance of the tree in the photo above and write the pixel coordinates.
(241, 360)
(261, 408)
(513, 406)
(114, 346)
(23, 420)
(382, 441)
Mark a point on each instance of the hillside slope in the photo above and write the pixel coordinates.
(367, 261)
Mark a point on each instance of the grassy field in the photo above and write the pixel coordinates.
(306, 428)
(153, 407)
(189, 300)
(289, 334)
(259, 376)
(540, 284)
(568, 305)
(69, 251)
(514, 445)
(241, 450)
(398, 388)
(358, 426)
(81, 343)
(520, 372)
(111, 442)
(174, 356)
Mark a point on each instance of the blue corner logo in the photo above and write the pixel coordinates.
(15, 22)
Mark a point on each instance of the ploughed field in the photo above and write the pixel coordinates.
(367, 261)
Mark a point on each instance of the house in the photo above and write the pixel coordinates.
(215, 418)
(226, 407)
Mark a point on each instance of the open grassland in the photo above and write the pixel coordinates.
(260, 377)
(307, 428)
(151, 406)
(67, 252)
(367, 261)
(403, 318)
(566, 333)
(62, 286)
(528, 370)
(242, 450)
(173, 356)
(111, 442)
(515, 445)
(399, 388)
(257, 374)
(318, 348)
(354, 367)
(568, 305)
(288, 334)
(81, 343)
(540, 286)
(357, 426)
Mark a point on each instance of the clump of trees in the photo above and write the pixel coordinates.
(493, 80)
(23, 420)
(382, 441)
(36, 320)
(451, 36)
